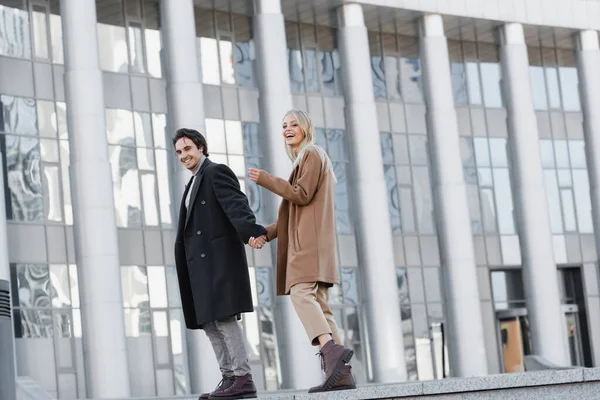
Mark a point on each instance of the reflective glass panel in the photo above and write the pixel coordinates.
(120, 127)
(112, 47)
(244, 63)
(209, 59)
(490, 77)
(14, 32)
(52, 193)
(226, 53)
(569, 85)
(215, 135)
(134, 281)
(40, 32)
(343, 222)
(149, 198)
(153, 50)
(164, 191)
(538, 87)
(126, 187)
(136, 48)
(33, 286)
(143, 129)
(235, 143)
(553, 196)
(56, 38)
(20, 115)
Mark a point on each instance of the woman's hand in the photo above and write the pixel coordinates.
(257, 243)
(254, 174)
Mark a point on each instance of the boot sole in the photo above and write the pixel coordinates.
(238, 397)
(337, 373)
(337, 388)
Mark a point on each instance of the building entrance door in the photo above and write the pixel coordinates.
(515, 338)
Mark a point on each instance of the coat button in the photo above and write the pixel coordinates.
(202, 202)
(202, 255)
(199, 233)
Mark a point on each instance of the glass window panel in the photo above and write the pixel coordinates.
(112, 45)
(459, 82)
(145, 159)
(33, 286)
(149, 197)
(485, 177)
(35, 324)
(14, 37)
(418, 150)
(321, 138)
(173, 287)
(577, 152)
(311, 75)
(553, 196)
(143, 129)
(61, 286)
(393, 201)
(553, 88)
(467, 151)
(63, 328)
(569, 85)
(251, 139)
(330, 72)
(423, 200)
(164, 190)
(46, 117)
(507, 289)
(159, 129)
(56, 39)
(403, 175)
(20, 115)
(219, 158)
(22, 171)
(474, 85)
(392, 76)
(137, 322)
(407, 210)
(244, 63)
(153, 50)
(400, 149)
(134, 283)
(566, 196)
(336, 145)
(547, 153)
(538, 87)
(498, 152)
(237, 165)
(482, 154)
(343, 222)
(52, 193)
(474, 209)
(177, 326)
(77, 323)
(74, 283)
(49, 150)
(411, 80)
(387, 151)
(583, 203)
(61, 116)
(215, 136)
(209, 60)
(564, 178)
(252, 335)
(226, 54)
(562, 153)
(235, 143)
(136, 48)
(490, 77)
(378, 76)
(296, 70)
(120, 127)
(263, 287)
(488, 210)
(126, 187)
(350, 286)
(161, 327)
(40, 32)
(504, 202)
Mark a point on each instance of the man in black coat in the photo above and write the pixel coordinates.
(215, 221)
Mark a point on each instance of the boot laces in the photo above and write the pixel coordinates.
(320, 354)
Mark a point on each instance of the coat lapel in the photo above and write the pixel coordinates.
(195, 188)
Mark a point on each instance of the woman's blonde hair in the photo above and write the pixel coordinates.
(308, 142)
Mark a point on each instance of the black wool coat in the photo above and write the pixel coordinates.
(212, 268)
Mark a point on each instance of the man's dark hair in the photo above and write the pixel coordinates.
(194, 136)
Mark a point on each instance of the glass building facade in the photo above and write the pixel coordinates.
(36, 146)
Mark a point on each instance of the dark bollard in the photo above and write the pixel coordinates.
(7, 362)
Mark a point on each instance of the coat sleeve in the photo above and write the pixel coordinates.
(235, 203)
(302, 192)
(271, 231)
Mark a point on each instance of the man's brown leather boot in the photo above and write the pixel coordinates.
(225, 383)
(242, 388)
(345, 382)
(333, 358)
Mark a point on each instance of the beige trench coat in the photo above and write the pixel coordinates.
(305, 226)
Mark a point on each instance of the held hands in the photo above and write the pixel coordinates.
(257, 243)
(253, 174)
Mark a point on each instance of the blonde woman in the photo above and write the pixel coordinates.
(305, 229)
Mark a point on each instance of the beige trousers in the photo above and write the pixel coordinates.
(311, 302)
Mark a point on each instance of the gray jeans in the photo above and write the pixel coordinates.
(229, 344)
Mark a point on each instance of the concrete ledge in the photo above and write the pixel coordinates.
(579, 383)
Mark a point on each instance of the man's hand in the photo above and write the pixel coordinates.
(253, 174)
(257, 243)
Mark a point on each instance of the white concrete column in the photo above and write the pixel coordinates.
(539, 267)
(466, 342)
(96, 244)
(588, 63)
(299, 365)
(374, 233)
(186, 110)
